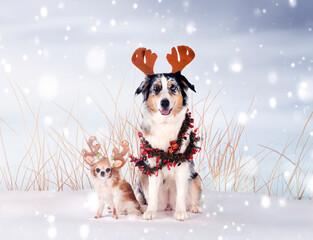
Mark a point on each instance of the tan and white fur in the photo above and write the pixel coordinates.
(111, 188)
(165, 107)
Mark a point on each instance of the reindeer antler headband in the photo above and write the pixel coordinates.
(144, 59)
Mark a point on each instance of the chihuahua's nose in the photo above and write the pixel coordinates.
(102, 173)
(165, 103)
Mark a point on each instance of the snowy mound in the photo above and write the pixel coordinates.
(70, 215)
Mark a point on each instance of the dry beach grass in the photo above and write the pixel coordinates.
(223, 164)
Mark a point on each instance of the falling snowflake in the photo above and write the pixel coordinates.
(44, 12)
(236, 67)
(243, 118)
(25, 57)
(112, 22)
(292, 3)
(48, 120)
(66, 132)
(215, 68)
(289, 94)
(265, 201)
(282, 202)
(273, 102)
(88, 100)
(61, 5)
(305, 90)
(190, 28)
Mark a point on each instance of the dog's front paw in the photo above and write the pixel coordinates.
(149, 214)
(181, 215)
(97, 216)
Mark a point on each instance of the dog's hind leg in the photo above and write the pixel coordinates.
(194, 194)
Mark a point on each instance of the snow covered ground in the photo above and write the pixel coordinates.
(69, 215)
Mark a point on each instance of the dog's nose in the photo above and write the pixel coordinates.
(102, 173)
(165, 103)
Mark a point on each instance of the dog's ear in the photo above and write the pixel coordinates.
(141, 87)
(183, 80)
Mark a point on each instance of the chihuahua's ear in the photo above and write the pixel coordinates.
(183, 80)
(87, 156)
(118, 160)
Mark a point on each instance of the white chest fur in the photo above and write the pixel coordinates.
(162, 131)
(104, 190)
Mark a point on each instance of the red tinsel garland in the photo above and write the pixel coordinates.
(172, 157)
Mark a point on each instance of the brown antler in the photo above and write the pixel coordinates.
(186, 56)
(118, 159)
(138, 60)
(94, 150)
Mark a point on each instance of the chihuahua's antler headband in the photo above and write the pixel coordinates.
(144, 59)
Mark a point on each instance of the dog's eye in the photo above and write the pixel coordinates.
(97, 170)
(108, 170)
(173, 88)
(156, 88)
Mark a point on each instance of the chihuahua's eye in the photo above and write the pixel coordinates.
(108, 170)
(173, 88)
(97, 170)
(156, 88)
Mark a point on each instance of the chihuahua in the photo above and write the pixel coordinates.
(112, 190)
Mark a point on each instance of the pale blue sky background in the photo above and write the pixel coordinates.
(262, 47)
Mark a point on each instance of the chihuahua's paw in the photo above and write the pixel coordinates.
(134, 211)
(143, 208)
(181, 215)
(195, 209)
(114, 216)
(149, 214)
(97, 216)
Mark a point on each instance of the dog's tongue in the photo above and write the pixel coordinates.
(165, 111)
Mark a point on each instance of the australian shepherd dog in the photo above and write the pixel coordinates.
(164, 110)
